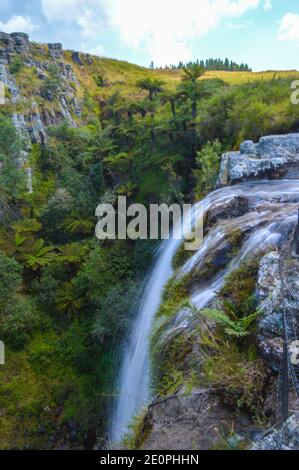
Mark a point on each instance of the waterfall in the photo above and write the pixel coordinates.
(134, 380)
(270, 216)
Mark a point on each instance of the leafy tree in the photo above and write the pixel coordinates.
(207, 163)
(79, 226)
(20, 319)
(102, 145)
(39, 256)
(10, 278)
(193, 73)
(69, 300)
(55, 213)
(103, 269)
(153, 86)
(171, 98)
(112, 318)
(121, 167)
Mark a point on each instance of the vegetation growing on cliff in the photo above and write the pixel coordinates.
(218, 351)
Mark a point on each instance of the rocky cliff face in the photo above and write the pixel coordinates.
(41, 103)
(12, 45)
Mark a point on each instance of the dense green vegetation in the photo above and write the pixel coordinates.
(65, 298)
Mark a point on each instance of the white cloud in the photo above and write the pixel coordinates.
(242, 25)
(289, 28)
(87, 23)
(18, 24)
(87, 15)
(98, 50)
(166, 27)
(61, 10)
(268, 5)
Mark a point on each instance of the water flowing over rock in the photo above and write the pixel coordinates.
(266, 222)
(264, 215)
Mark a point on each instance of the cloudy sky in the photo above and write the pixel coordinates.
(264, 33)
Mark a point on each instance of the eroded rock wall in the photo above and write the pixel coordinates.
(32, 114)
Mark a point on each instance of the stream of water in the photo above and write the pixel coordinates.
(271, 214)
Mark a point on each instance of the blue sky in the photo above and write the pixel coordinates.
(263, 33)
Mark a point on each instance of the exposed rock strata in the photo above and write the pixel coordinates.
(33, 123)
(269, 157)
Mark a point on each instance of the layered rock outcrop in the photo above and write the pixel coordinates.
(32, 123)
(12, 44)
(271, 156)
(55, 50)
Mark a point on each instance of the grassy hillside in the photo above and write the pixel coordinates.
(123, 75)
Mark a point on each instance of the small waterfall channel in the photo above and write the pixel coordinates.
(269, 216)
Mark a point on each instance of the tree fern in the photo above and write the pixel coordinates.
(235, 328)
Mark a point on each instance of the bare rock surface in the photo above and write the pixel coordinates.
(268, 157)
(32, 124)
(285, 438)
(196, 421)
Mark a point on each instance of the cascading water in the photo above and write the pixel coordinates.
(135, 377)
(271, 213)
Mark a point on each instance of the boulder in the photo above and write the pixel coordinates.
(76, 58)
(248, 148)
(267, 158)
(55, 50)
(12, 44)
(192, 421)
(285, 438)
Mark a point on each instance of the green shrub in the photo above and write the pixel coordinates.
(237, 380)
(19, 321)
(207, 168)
(238, 291)
(10, 279)
(52, 84)
(16, 65)
(174, 295)
(140, 428)
(114, 315)
(99, 80)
